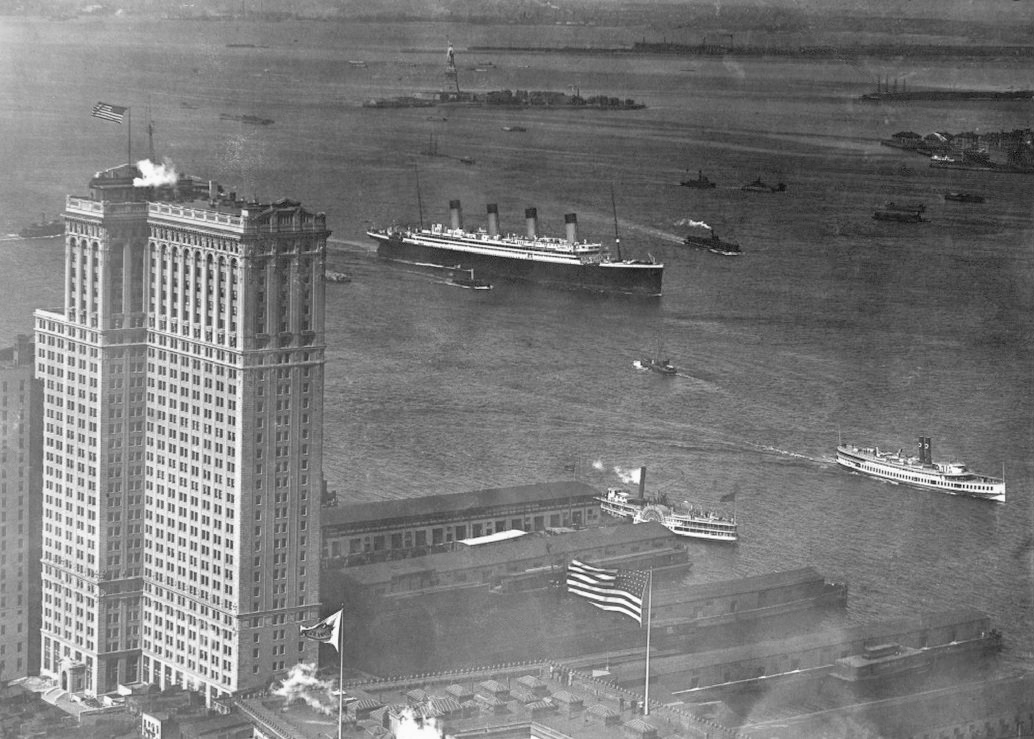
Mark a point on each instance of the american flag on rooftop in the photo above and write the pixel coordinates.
(610, 590)
(109, 112)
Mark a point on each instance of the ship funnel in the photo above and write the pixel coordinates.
(532, 217)
(571, 223)
(455, 214)
(493, 220)
(925, 452)
(642, 483)
(213, 190)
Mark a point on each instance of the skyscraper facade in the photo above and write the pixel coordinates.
(183, 438)
(20, 456)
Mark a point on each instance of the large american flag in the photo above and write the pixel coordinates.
(611, 590)
(109, 112)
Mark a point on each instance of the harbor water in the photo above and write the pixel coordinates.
(830, 325)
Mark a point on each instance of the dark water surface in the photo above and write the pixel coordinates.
(829, 322)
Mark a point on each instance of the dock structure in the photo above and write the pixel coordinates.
(362, 533)
(507, 599)
(898, 648)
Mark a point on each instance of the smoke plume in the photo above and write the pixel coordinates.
(598, 465)
(412, 726)
(691, 223)
(629, 477)
(302, 683)
(155, 174)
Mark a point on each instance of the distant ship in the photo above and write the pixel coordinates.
(759, 185)
(660, 366)
(701, 182)
(713, 244)
(921, 471)
(964, 197)
(44, 228)
(900, 212)
(682, 520)
(567, 263)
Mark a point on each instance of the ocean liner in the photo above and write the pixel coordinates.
(921, 471)
(545, 260)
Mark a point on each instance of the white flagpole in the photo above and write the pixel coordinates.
(340, 669)
(649, 608)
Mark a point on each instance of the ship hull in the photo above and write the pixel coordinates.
(926, 478)
(615, 277)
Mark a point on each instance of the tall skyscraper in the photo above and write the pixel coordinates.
(20, 457)
(183, 438)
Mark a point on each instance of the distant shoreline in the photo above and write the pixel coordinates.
(929, 51)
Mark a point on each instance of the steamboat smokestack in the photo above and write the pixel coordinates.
(642, 483)
(213, 191)
(925, 456)
(571, 224)
(455, 214)
(493, 220)
(532, 217)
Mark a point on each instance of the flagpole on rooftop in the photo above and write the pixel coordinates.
(129, 135)
(649, 614)
(340, 670)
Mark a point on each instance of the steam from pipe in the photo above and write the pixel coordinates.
(302, 683)
(155, 174)
(413, 726)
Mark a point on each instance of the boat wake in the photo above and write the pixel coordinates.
(790, 454)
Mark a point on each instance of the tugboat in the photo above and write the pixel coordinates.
(44, 228)
(683, 519)
(701, 182)
(964, 197)
(760, 185)
(713, 244)
(660, 366)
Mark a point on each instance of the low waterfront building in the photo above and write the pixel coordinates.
(360, 533)
(695, 676)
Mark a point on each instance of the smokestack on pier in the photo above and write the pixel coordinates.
(642, 483)
(532, 217)
(571, 224)
(493, 220)
(455, 215)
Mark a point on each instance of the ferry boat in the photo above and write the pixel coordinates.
(567, 263)
(921, 471)
(682, 520)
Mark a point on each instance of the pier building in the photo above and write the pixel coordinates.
(183, 381)
(361, 533)
(506, 600)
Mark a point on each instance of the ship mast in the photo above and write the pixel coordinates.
(419, 201)
(617, 238)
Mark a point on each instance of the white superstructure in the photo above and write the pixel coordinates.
(921, 471)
